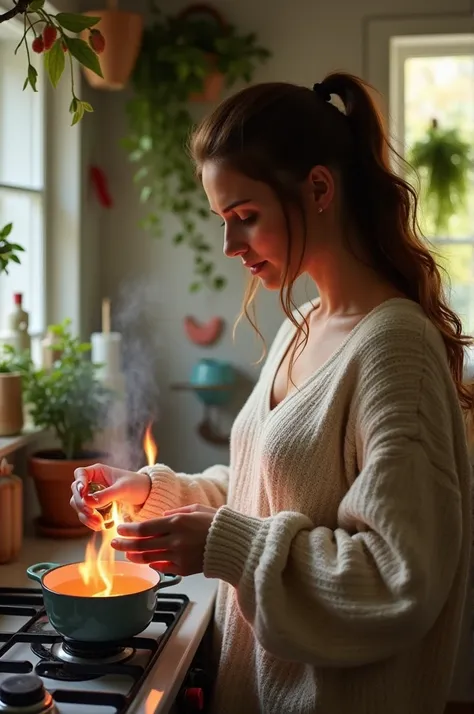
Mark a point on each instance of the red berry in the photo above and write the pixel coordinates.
(49, 36)
(38, 45)
(97, 41)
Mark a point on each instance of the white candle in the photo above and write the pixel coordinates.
(106, 315)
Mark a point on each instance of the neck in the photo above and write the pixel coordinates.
(346, 284)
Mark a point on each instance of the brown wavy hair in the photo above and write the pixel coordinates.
(277, 132)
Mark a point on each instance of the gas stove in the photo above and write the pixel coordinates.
(41, 672)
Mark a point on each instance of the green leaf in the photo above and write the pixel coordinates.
(76, 23)
(78, 114)
(87, 107)
(15, 259)
(32, 77)
(73, 105)
(145, 194)
(35, 5)
(195, 287)
(54, 62)
(178, 238)
(84, 54)
(219, 283)
(6, 230)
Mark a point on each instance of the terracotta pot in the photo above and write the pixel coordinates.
(213, 84)
(123, 34)
(53, 476)
(11, 404)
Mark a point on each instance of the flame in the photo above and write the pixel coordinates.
(98, 569)
(149, 446)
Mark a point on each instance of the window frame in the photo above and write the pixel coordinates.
(402, 48)
(13, 30)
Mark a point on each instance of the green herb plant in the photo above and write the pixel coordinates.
(176, 56)
(68, 399)
(14, 361)
(443, 162)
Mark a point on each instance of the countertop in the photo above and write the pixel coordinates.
(164, 682)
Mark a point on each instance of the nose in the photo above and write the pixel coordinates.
(232, 247)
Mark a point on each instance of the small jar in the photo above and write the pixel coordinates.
(105, 511)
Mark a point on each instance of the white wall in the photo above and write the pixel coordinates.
(308, 39)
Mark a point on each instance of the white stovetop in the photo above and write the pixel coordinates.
(163, 683)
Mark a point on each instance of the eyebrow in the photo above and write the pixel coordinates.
(240, 202)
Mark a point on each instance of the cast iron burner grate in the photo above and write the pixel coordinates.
(70, 661)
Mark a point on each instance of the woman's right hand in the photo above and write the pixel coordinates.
(126, 487)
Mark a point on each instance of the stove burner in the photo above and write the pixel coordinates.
(90, 652)
(63, 673)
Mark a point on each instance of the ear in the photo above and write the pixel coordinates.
(321, 187)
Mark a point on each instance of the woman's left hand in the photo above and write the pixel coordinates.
(174, 543)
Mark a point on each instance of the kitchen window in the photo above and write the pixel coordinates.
(22, 179)
(432, 77)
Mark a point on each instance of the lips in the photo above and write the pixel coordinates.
(256, 268)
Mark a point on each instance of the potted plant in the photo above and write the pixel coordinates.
(13, 366)
(177, 57)
(443, 161)
(71, 402)
(122, 33)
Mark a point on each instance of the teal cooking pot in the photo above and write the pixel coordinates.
(77, 615)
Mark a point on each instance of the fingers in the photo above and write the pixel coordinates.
(151, 556)
(146, 529)
(166, 566)
(85, 514)
(162, 543)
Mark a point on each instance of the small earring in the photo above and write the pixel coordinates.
(320, 210)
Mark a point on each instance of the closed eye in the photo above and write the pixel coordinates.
(244, 221)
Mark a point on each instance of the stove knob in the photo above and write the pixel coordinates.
(24, 691)
(194, 698)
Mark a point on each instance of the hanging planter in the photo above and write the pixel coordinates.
(213, 83)
(443, 162)
(186, 58)
(122, 32)
(214, 80)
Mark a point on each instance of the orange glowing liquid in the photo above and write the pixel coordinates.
(123, 585)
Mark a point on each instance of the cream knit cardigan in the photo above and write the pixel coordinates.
(343, 546)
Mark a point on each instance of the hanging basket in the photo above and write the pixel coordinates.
(123, 35)
(214, 82)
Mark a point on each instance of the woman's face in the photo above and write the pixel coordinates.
(255, 226)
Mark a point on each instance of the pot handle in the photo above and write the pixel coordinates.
(36, 572)
(167, 580)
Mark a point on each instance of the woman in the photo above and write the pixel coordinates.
(340, 532)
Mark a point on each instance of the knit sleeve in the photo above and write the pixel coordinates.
(376, 584)
(171, 490)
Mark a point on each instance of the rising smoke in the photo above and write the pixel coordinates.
(134, 317)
